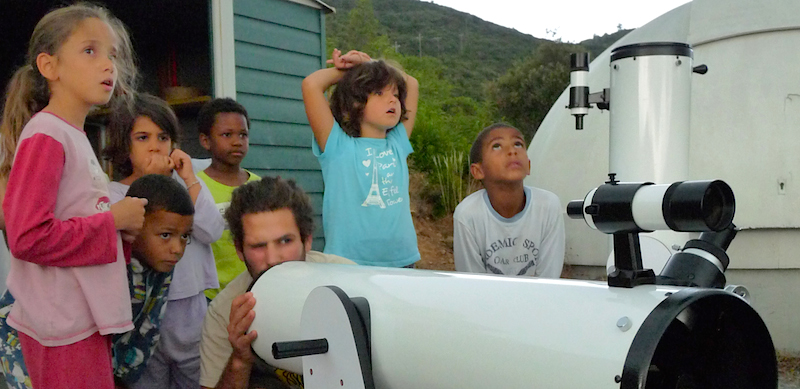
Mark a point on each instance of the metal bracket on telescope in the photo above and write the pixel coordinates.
(336, 352)
(601, 99)
(702, 262)
(628, 270)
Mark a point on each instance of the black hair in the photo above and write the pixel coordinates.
(476, 151)
(208, 114)
(350, 95)
(162, 193)
(121, 123)
(267, 195)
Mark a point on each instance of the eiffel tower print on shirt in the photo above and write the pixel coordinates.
(374, 196)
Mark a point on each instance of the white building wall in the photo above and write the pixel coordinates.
(745, 129)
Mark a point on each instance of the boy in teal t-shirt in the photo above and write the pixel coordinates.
(224, 128)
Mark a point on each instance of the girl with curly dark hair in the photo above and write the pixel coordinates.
(361, 141)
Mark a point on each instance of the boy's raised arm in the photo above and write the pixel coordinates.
(412, 99)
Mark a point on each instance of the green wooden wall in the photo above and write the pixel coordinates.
(277, 44)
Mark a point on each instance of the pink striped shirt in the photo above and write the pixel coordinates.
(67, 269)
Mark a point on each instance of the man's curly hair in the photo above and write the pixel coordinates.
(350, 95)
(267, 195)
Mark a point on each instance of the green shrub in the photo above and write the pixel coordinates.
(451, 176)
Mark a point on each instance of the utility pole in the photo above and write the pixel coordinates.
(419, 39)
(438, 46)
(396, 47)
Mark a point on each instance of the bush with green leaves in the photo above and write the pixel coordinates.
(451, 176)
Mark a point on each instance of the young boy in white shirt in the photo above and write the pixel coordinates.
(507, 227)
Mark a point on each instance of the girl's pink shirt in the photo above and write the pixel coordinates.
(67, 271)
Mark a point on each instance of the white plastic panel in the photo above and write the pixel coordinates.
(457, 330)
(746, 124)
(324, 317)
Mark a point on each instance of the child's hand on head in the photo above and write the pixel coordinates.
(182, 163)
(159, 164)
(347, 61)
(128, 214)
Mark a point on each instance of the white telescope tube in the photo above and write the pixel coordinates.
(457, 330)
(650, 108)
(454, 330)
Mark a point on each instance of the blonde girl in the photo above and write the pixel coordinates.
(67, 269)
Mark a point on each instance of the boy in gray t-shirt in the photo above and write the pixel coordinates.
(507, 228)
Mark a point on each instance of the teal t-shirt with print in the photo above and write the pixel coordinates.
(365, 209)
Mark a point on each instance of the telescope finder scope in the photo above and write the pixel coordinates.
(685, 206)
(579, 87)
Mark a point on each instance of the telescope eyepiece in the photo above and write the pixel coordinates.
(575, 209)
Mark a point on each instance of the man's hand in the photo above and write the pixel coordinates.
(242, 316)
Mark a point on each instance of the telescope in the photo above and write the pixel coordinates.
(367, 327)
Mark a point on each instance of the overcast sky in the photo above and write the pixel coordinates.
(572, 21)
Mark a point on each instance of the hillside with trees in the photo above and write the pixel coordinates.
(473, 50)
(471, 73)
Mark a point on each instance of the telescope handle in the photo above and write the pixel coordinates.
(299, 348)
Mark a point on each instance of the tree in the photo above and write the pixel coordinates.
(524, 94)
(445, 123)
(360, 31)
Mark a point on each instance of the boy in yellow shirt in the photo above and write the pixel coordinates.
(224, 128)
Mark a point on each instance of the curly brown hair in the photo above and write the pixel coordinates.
(351, 93)
(267, 195)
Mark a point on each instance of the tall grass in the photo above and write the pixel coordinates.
(451, 174)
